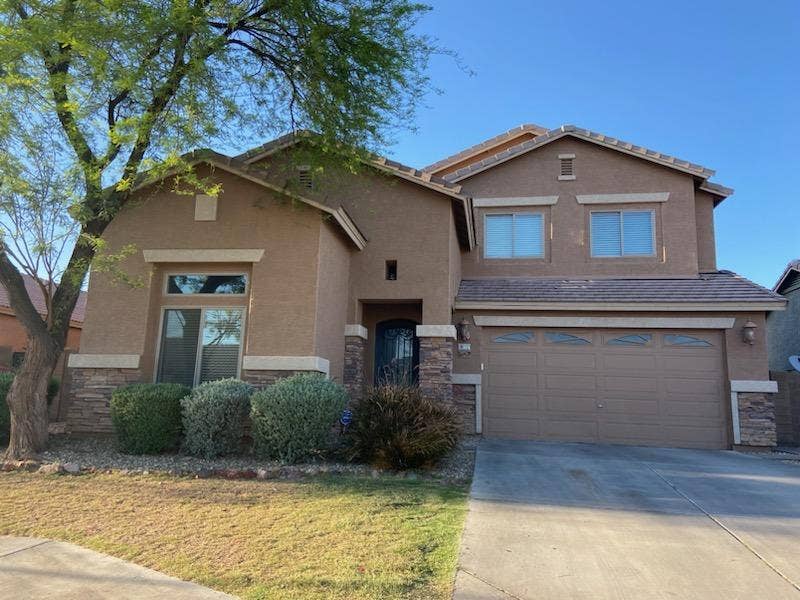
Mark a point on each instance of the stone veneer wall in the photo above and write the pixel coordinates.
(757, 419)
(90, 397)
(436, 367)
(354, 375)
(464, 401)
(787, 407)
(261, 379)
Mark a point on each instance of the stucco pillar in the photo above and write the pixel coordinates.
(436, 361)
(354, 376)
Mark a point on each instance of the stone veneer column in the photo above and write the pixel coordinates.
(354, 376)
(757, 419)
(464, 401)
(90, 392)
(436, 360)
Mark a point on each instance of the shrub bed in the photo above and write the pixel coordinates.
(213, 417)
(294, 418)
(398, 427)
(147, 416)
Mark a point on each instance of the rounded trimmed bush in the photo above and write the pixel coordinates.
(294, 417)
(147, 416)
(213, 417)
(396, 426)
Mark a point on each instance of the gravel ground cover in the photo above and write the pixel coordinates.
(99, 453)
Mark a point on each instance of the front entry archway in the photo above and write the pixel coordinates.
(396, 352)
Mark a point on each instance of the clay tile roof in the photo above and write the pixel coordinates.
(716, 286)
(37, 298)
(589, 136)
(485, 145)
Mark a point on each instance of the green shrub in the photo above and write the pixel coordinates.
(294, 418)
(147, 416)
(213, 417)
(398, 427)
(5, 415)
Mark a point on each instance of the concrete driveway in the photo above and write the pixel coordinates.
(582, 521)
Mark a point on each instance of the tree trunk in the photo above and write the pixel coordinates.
(27, 399)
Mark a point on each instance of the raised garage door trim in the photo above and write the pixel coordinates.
(646, 387)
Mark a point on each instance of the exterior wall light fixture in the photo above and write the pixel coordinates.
(749, 332)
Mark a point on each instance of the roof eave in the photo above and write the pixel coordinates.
(720, 306)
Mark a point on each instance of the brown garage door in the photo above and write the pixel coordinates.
(662, 388)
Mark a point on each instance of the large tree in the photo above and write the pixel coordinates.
(95, 92)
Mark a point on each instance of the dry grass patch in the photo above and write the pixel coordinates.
(343, 537)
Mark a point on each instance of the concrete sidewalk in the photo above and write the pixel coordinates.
(33, 569)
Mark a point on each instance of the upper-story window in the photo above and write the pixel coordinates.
(517, 235)
(235, 284)
(623, 233)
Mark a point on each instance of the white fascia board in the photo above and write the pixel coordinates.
(622, 198)
(103, 361)
(517, 201)
(439, 331)
(607, 322)
(204, 255)
(286, 363)
(742, 385)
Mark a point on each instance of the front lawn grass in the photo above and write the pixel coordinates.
(325, 537)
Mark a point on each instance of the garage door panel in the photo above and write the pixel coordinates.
(628, 362)
(632, 406)
(516, 382)
(570, 382)
(576, 404)
(568, 362)
(629, 384)
(570, 429)
(689, 364)
(695, 385)
(649, 394)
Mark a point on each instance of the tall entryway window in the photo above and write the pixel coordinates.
(200, 344)
(396, 352)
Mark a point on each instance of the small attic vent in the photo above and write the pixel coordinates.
(304, 178)
(567, 171)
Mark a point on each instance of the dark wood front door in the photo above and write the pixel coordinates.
(396, 352)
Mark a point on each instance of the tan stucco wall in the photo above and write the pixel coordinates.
(706, 244)
(598, 171)
(283, 292)
(402, 221)
(333, 275)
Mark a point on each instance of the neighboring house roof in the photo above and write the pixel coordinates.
(259, 176)
(709, 288)
(526, 129)
(391, 167)
(699, 171)
(791, 269)
(37, 299)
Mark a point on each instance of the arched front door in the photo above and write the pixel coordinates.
(396, 352)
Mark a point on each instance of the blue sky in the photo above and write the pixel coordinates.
(714, 82)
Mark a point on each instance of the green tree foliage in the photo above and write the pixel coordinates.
(102, 91)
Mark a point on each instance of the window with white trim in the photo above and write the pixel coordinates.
(623, 233)
(199, 345)
(516, 235)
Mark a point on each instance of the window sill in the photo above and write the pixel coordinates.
(566, 177)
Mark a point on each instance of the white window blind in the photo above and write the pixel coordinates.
(622, 233)
(518, 235)
(199, 345)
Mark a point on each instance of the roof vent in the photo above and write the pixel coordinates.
(304, 177)
(567, 172)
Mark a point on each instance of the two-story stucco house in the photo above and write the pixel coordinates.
(555, 285)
